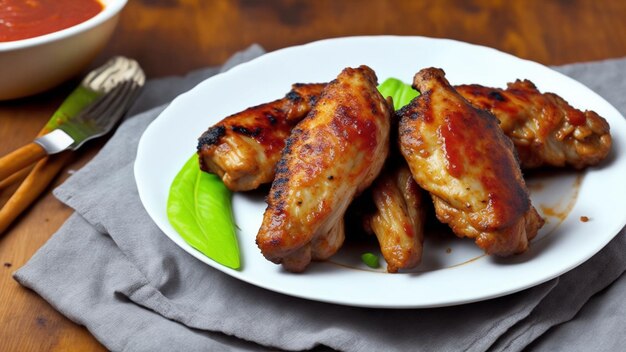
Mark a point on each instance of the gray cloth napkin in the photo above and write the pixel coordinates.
(112, 270)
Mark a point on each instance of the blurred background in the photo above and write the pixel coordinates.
(197, 33)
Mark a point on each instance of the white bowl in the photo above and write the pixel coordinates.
(33, 65)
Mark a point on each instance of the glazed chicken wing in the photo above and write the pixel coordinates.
(460, 155)
(331, 156)
(243, 148)
(398, 221)
(546, 130)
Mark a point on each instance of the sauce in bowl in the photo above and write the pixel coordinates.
(22, 19)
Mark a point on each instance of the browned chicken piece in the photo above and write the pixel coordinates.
(331, 156)
(243, 148)
(545, 129)
(460, 155)
(398, 221)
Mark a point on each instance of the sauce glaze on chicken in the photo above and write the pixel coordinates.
(545, 129)
(463, 159)
(243, 148)
(331, 156)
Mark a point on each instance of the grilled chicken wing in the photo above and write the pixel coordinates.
(332, 155)
(398, 221)
(244, 148)
(460, 155)
(545, 129)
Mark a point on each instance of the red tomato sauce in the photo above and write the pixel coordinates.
(21, 19)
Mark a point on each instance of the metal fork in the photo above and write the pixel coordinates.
(102, 115)
(118, 83)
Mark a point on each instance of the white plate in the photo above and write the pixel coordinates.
(453, 271)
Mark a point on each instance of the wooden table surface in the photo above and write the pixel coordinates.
(171, 37)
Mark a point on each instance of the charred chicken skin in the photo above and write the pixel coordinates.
(398, 221)
(331, 156)
(545, 129)
(243, 148)
(461, 156)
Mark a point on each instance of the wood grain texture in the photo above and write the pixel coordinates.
(174, 36)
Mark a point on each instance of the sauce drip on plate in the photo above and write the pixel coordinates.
(22, 19)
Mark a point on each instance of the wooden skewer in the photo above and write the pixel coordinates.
(18, 176)
(21, 198)
(20, 158)
(36, 182)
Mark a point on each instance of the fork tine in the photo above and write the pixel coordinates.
(97, 106)
(118, 111)
(120, 98)
(107, 112)
(130, 97)
(133, 91)
(120, 107)
(107, 115)
(86, 124)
